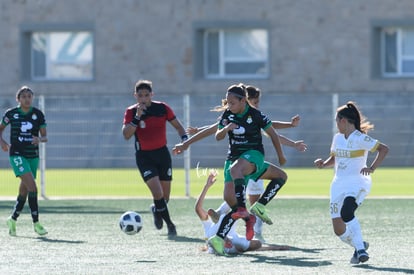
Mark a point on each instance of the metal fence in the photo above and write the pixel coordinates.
(85, 131)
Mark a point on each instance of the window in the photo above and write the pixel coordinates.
(397, 52)
(236, 53)
(61, 55)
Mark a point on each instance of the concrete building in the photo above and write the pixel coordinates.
(84, 56)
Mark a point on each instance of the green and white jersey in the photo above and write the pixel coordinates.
(24, 126)
(248, 135)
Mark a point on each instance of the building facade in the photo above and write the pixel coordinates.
(80, 54)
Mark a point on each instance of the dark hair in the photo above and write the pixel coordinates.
(238, 90)
(252, 92)
(354, 116)
(23, 89)
(143, 85)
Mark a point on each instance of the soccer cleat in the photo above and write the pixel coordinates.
(11, 224)
(172, 232)
(260, 210)
(157, 217)
(259, 237)
(249, 227)
(241, 213)
(362, 256)
(39, 229)
(356, 259)
(217, 244)
(213, 215)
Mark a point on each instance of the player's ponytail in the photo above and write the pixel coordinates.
(354, 116)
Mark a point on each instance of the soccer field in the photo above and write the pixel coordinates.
(305, 182)
(84, 238)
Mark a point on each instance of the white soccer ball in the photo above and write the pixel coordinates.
(130, 222)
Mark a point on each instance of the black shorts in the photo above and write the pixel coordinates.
(154, 163)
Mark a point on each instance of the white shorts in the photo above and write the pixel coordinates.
(255, 187)
(358, 188)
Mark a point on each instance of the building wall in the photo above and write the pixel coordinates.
(318, 48)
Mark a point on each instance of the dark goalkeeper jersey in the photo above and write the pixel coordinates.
(24, 126)
(248, 135)
(151, 132)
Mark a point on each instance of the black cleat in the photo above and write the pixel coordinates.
(157, 217)
(172, 232)
(356, 259)
(362, 256)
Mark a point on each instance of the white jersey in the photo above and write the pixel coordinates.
(351, 154)
(234, 242)
(350, 157)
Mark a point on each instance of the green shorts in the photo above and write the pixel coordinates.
(22, 165)
(253, 156)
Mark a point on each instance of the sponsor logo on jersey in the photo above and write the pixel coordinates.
(26, 126)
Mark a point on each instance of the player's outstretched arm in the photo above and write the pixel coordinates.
(181, 147)
(284, 124)
(298, 144)
(320, 163)
(276, 144)
(200, 211)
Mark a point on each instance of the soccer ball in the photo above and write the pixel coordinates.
(130, 223)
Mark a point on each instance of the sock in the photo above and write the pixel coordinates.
(258, 226)
(223, 208)
(34, 208)
(21, 200)
(271, 190)
(356, 234)
(162, 209)
(225, 225)
(240, 191)
(347, 236)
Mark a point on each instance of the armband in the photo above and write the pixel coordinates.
(184, 138)
(135, 121)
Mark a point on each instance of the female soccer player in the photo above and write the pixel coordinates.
(234, 242)
(243, 124)
(146, 121)
(254, 189)
(26, 123)
(352, 180)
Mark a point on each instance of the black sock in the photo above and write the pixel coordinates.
(225, 225)
(240, 191)
(18, 207)
(271, 190)
(34, 208)
(162, 210)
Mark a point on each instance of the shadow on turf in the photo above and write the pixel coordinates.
(73, 209)
(186, 239)
(386, 269)
(288, 261)
(306, 250)
(45, 239)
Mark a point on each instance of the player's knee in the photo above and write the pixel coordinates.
(348, 209)
(254, 245)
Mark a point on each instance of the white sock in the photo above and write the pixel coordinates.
(223, 208)
(258, 226)
(347, 236)
(355, 228)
